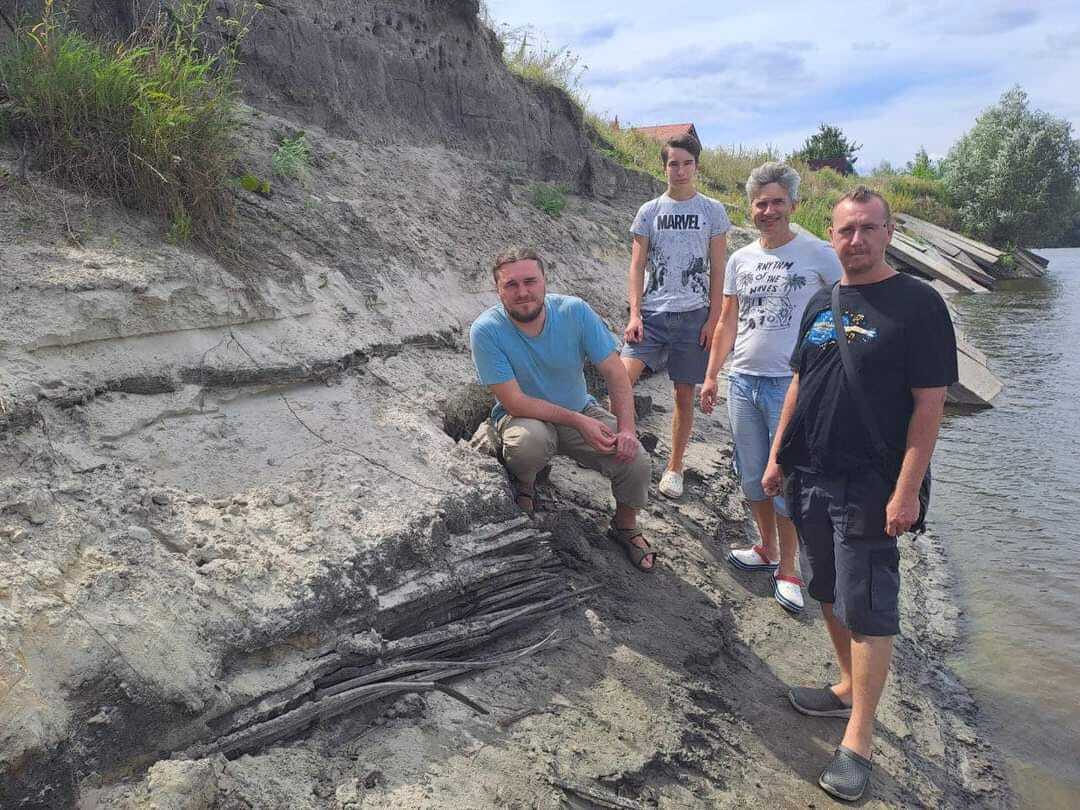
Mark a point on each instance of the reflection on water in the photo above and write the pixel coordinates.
(1007, 502)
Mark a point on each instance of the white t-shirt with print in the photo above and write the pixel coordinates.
(677, 267)
(774, 286)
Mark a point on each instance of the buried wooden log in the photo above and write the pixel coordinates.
(420, 634)
(601, 797)
(346, 697)
(406, 667)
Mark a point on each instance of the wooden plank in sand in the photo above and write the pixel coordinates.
(950, 249)
(927, 260)
(984, 254)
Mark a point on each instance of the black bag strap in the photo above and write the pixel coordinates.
(854, 386)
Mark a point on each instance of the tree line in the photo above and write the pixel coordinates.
(1013, 178)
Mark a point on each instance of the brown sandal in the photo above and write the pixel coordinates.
(636, 554)
(519, 495)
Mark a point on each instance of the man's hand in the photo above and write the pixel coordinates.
(705, 337)
(707, 396)
(773, 479)
(597, 434)
(635, 330)
(901, 513)
(626, 446)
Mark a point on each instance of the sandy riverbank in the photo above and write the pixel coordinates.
(665, 691)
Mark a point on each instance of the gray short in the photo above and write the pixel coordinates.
(855, 565)
(671, 341)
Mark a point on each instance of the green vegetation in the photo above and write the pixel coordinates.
(256, 185)
(293, 157)
(1014, 177)
(551, 199)
(148, 121)
(828, 143)
(922, 166)
(540, 64)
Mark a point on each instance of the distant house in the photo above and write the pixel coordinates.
(839, 164)
(664, 131)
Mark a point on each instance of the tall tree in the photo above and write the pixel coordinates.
(1014, 176)
(829, 143)
(923, 166)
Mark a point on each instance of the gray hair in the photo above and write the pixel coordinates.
(773, 172)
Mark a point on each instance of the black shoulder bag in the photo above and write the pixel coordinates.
(868, 418)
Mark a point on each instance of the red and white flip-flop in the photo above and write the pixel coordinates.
(752, 559)
(788, 592)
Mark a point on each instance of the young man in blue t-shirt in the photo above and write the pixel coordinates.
(530, 351)
(675, 291)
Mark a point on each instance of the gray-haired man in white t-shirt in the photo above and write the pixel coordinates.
(767, 285)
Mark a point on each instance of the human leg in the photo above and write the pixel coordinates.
(682, 422)
(750, 432)
(789, 545)
(841, 641)
(633, 367)
(526, 447)
(869, 662)
(811, 501)
(765, 519)
(687, 362)
(769, 402)
(629, 480)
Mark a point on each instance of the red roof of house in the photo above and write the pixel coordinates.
(664, 131)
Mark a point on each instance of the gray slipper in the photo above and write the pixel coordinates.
(818, 702)
(847, 776)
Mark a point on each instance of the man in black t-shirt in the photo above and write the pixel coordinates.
(849, 504)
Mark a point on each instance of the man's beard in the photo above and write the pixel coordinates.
(864, 266)
(528, 316)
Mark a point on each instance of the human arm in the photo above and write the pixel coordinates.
(639, 252)
(517, 403)
(717, 262)
(622, 405)
(902, 510)
(773, 479)
(723, 340)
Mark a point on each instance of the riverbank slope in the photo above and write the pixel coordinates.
(212, 478)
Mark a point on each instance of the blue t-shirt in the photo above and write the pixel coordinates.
(548, 366)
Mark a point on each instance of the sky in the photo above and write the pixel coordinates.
(893, 75)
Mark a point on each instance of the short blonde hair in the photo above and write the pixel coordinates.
(863, 194)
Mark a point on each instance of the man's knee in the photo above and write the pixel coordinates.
(527, 445)
(684, 393)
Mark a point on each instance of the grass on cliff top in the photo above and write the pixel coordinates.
(722, 174)
(148, 121)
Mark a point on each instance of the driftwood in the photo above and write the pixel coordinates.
(601, 797)
(500, 580)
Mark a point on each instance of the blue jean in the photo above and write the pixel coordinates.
(754, 405)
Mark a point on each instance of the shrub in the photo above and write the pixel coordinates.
(148, 121)
(293, 157)
(1014, 175)
(551, 199)
(539, 63)
(828, 143)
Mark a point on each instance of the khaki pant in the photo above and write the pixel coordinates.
(528, 445)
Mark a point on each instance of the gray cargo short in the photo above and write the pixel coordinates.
(670, 341)
(855, 565)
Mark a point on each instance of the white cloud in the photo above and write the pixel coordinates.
(894, 75)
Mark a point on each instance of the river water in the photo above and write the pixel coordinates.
(1007, 502)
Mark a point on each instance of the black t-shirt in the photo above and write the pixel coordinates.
(901, 337)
